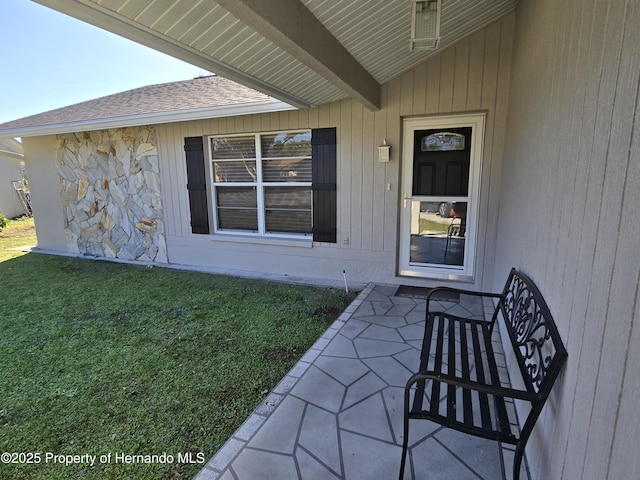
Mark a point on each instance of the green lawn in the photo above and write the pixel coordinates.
(18, 233)
(98, 358)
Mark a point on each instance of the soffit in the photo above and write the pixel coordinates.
(201, 32)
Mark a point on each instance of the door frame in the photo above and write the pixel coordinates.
(441, 272)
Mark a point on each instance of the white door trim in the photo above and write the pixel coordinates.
(465, 272)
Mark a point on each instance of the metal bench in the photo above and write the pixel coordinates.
(458, 384)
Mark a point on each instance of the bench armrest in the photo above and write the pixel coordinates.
(471, 385)
(461, 291)
(465, 292)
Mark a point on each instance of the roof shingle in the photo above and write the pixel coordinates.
(199, 93)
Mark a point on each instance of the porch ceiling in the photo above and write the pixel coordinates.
(303, 52)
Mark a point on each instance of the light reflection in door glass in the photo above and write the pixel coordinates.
(438, 232)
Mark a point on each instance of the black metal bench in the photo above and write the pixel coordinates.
(458, 384)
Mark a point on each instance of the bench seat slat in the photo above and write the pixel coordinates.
(435, 386)
(485, 414)
(466, 375)
(419, 397)
(501, 409)
(480, 413)
(451, 360)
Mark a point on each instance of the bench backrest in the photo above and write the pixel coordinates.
(536, 342)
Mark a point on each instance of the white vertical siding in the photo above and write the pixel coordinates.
(569, 217)
(472, 75)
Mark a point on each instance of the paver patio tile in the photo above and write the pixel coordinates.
(393, 400)
(353, 328)
(403, 300)
(474, 451)
(340, 347)
(367, 459)
(268, 404)
(285, 385)
(415, 317)
(380, 294)
(412, 332)
(401, 310)
(409, 358)
(345, 370)
(226, 476)
(368, 418)
(378, 332)
(207, 474)
(390, 370)
(363, 388)
(508, 455)
(226, 454)
(365, 309)
(249, 427)
(385, 320)
(430, 456)
(377, 348)
(320, 343)
(319, 435)
(258, 465)
(312, 469)
(299, 369)
(318, 388)
(381, 308)
(285, 420)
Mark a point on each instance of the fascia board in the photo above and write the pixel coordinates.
(16, 156)
(150, 119)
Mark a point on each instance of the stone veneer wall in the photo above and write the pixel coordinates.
(110, 190)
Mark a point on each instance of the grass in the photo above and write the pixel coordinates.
(98, 358)
(432, 227)
(18, 233)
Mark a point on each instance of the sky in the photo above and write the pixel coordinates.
(49, 60)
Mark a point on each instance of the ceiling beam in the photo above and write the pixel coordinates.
(291, 26)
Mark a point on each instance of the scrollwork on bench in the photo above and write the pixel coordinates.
(476, 386)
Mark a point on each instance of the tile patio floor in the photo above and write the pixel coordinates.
(338, 413)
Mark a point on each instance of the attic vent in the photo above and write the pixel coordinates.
(425, 24)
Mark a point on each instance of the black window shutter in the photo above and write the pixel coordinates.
(197, 184)
(323, 181)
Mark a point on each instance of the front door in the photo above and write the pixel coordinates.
(441, 176)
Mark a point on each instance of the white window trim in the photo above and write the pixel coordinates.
(261, 233)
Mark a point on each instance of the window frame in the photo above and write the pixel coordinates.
(260, 186)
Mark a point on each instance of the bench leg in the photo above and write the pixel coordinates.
(517, 461)
(405, 444)
(405, 439)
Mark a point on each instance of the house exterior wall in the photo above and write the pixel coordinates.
(569, 217)
(44, 186)
(9, 171)
(472, 76)
(111, 195)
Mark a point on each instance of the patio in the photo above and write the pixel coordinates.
(338, 413)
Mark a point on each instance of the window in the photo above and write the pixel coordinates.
(262, 183)
(269, 180)
(442, 141)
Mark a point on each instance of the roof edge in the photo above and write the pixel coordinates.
(16, 156)
(151, 119)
